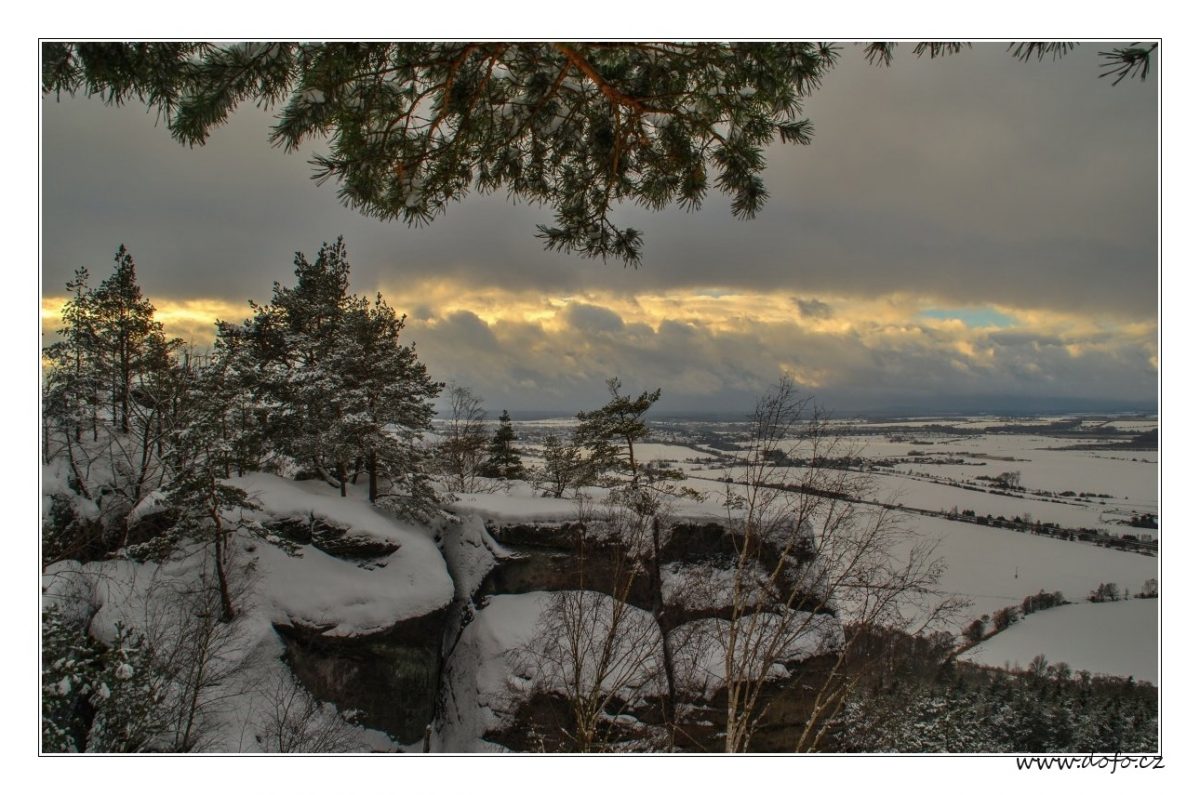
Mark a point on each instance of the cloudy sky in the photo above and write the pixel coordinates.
(965, 233)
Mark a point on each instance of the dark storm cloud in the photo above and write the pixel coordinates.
(586, 317)
(976, 178)
(469, 331)
(814, 308)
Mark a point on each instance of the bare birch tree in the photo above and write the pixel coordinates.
(297, 723)
(464, 448)
(815, 567)
(596, 650)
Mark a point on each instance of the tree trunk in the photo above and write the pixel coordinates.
(658, 611)
(125, 370)
(214, 513)
(372, 476)
(227, 611)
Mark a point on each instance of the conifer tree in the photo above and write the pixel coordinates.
(503, 459)
(113, 374)
(609, 434)
(129, 342)
(71, 388)
(563, 466)
(205, 504)
(328, 383)
(289, 348)
(620, 421)
(386, 401)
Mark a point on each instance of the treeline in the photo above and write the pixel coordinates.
(1087, 535)
(1005, 617)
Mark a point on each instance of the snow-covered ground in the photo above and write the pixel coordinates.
(1117, 638)
(309, 588)
(988, 567)
(318, 590)
(995, 568)
(913, 493)
(521, 502)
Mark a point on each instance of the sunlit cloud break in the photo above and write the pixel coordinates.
(716, 346)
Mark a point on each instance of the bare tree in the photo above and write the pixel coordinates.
(200, 656)
(815, 569)
(297, 723)
(595, 650)
(464, 447)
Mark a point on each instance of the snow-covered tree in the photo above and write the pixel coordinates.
(503, 460)
(110, 399)
(207, 508)
(72, 385)
(386, 405)
(97, 698)
(330, 384)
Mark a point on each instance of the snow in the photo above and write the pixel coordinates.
(989, 567)
(700, 646)
(522, 503)
(138, 596)
(995, 568)
(477, 685)
(1116, 638)
(939, 497)
(493, 665)
(315, 590)
(311, 589)
(350, 600)
(470, 554)
(674, 453)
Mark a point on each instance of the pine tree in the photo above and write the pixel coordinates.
(208, 509)
(564, 467)
(289, 347)
(503, 459)
(129, 342)
(326, 382)
(71, 388)
(110, 395)
(386, 405)
(621, 420)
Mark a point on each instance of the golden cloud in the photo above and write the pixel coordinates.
(816, 338)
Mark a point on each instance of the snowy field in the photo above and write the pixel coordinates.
(1117, 638)
(925, 495)
(1128, 478)
(995, 568)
